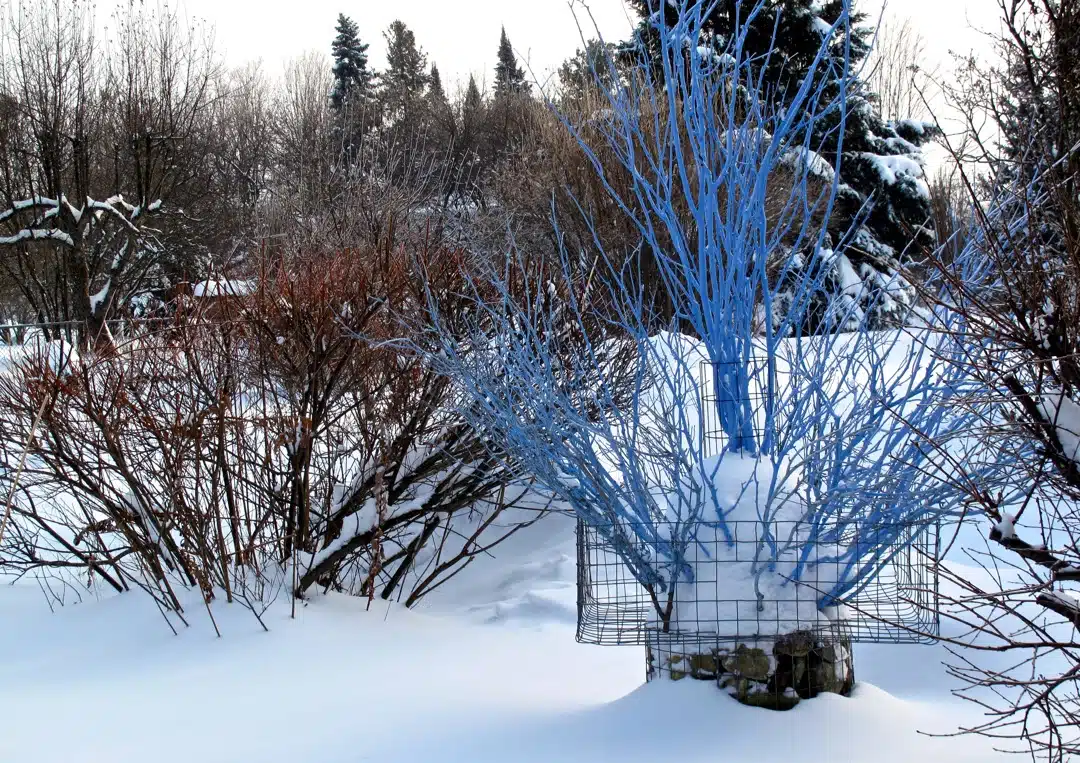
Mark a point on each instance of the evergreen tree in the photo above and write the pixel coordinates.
(884, 204)
(468, 147)
(1033, 98)
(472, 109)
(506, 115)
(509, 77)
(405, 78)
(353, 80)
(436, 93)
(439, 113)
(1034, 102)
(439, 127)
(585, 69)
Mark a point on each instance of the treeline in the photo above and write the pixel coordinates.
(191, 168)
(132, 163)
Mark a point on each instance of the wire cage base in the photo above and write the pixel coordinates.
(897, 605)
(776, 672)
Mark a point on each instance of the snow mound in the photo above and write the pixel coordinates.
(107, 681)
(57, 355)
(225, 288)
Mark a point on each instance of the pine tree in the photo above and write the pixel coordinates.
(509, 77)
(405, 78)
(353, 80)
(884, 206)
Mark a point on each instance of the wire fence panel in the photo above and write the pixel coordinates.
(896, 606)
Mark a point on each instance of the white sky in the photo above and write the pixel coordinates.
(945, 24)
(462, 36)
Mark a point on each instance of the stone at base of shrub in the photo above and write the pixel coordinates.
(794, 667)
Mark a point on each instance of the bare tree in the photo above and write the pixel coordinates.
(1007, 301)
(898, 70)
(241, 156)
(104, 173)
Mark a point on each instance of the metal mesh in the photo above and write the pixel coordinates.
(758, 393)
(898, 605)
(774, 673)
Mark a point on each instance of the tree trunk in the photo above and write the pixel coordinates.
(772, 673)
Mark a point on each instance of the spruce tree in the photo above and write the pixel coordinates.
(405, 78)
(585, 69)
(506, 122)
(353, 80)
(472, 109)
(468, 147)
(883, 206)
(439, 116)
(436, 93)
(1032, 96)
(1033, 100)
(509, 77)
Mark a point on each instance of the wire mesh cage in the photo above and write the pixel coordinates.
(896, 605)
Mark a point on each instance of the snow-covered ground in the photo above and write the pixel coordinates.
(488, 672)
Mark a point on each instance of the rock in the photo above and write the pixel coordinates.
(800, 666)
(705, 667)
(797, 644)
(758, 694)
(675, 673)
(811, 666)
(748, 663)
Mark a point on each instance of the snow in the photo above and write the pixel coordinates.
(728, 594)
(895, 168)
(487, 673)
(852, 288)
(99, 297)
(224, 288)
(58, 355)
(822, 27)
(1063, 598)
(51, 234)
(721, 59)
(1006, 526)
(1064, 414)
(850, 283)
(814, 163)
(916, 126)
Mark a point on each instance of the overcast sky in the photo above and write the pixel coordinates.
(462, 36)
